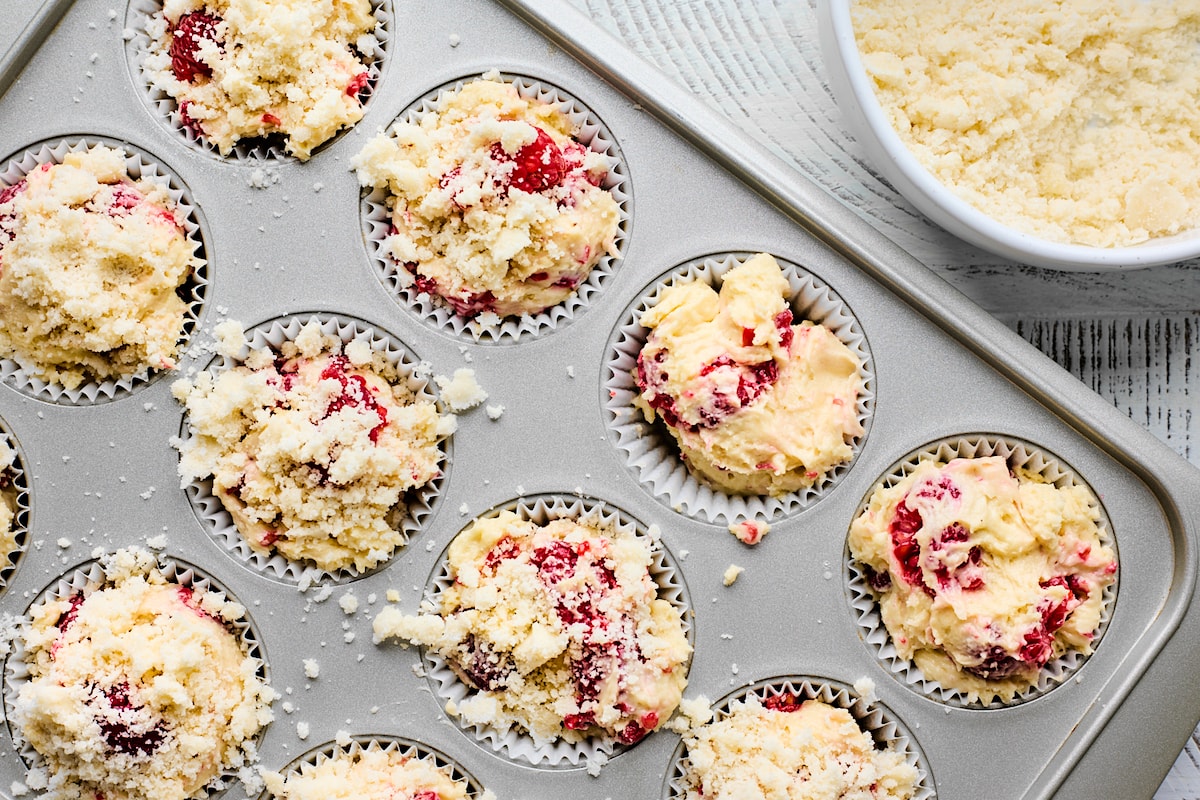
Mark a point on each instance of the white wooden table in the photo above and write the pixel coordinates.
(1130, 336)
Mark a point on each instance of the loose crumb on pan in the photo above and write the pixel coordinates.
(732, 573)
(750, 531)
(1067, 120)
(462, 391)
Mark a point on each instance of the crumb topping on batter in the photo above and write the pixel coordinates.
(90, 261)
(242, 69)
(369, 774)
(312, 448)
(138, 687)
(557, 629)
(785, 747)
(496, 207)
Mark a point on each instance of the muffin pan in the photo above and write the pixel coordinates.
(284, 238)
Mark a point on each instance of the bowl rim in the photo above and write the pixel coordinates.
(937, 201)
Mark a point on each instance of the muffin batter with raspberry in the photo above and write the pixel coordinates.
(786, 747)
(312, 448)
(758, 405)
(983, 576)
(495, 206)
(557, 629)
(90, 261)
(369, 774)
(138, 687)
(241, 69)
(8, 502)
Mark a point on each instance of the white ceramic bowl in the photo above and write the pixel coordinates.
(865, 118)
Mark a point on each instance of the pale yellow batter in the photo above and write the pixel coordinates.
(495, 206)
(89, 264)
(311, 449)
(368, 774)
(558, 629)
(790, 749)
(983, 577)
(241, 69)
(758, 405)
(138, 689)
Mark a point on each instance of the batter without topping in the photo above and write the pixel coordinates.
(90, 261)
(558, 627)
(138, 689)
(369, 775)
(791, 748)
(983, 577)
(758, 405)
(312, 448)
(495, 207)
(243, 68)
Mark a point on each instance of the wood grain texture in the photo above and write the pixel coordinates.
(1130, 336)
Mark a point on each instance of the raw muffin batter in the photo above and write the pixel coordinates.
(312, 448)
(758, 405)
(8, 502)
(495, 207)
(368, 774)
(138, 688)
(241, 69)
(983, 577)
(1068, 120)
(89, 264)
(790, 748)
(557, 628)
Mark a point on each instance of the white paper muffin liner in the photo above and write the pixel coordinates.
(194, 291)
(409, 748)
(513, 742)
(420, 501)
(1017, 453)
(649, 450)
(376, 220)
(872, 718)
(139, 16)
(89, 577)
(21, 513)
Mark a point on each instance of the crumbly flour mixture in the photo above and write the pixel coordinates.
(1073, 120)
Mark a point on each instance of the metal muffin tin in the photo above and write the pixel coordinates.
(103, 475)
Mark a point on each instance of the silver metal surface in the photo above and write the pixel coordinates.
(104, 476)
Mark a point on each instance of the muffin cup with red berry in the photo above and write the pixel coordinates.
(172, 60)
(650, 451)
(787, 694)
(406, 375)
(534, 290)
(367, 764)
(580, 740)
(137, 726)
(193, 291)
(1002, 679)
